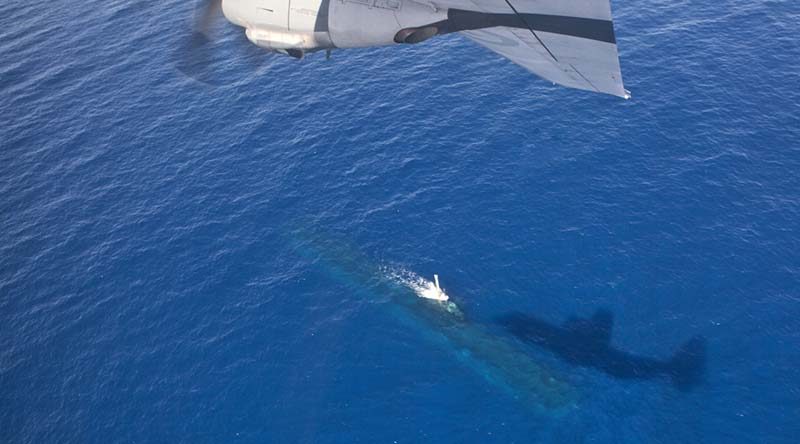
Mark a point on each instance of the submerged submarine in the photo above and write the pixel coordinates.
(500, 360)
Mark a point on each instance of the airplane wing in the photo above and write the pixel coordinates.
(569, 42)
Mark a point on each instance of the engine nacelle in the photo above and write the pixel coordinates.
(309, 25)
(283, 40)
(359, 23)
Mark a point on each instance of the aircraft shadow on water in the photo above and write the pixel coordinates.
(586, 342)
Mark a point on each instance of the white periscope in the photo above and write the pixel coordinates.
(425, 289)
(433, 291)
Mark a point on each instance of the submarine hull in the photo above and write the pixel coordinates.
(497, 359)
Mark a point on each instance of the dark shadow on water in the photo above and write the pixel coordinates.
(586, 342)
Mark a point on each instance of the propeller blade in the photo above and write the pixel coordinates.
(209, 9)
(203, 57)
(195, 54)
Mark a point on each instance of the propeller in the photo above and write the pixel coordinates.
(202, 55)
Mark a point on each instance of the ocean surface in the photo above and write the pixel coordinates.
(186, 262)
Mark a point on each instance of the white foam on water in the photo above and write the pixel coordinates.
(421, 286)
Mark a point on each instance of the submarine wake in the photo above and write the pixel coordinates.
(419, 285)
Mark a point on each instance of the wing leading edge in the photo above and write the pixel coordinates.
(568, 42)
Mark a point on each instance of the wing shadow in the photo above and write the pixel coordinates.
(586, 342)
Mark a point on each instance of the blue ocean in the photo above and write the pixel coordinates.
(235, 260)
